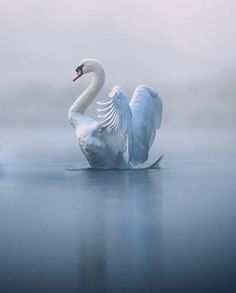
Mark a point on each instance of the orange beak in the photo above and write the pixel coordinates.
(78, 74)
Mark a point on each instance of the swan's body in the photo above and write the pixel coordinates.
(125, 132)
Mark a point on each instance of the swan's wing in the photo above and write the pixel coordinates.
(116, 119)
(146, 107)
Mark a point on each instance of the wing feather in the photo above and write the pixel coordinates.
(146, 107)
(116, 119)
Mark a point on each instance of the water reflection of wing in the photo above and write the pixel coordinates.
(120, 229)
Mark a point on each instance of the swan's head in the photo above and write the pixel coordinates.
(87, 66)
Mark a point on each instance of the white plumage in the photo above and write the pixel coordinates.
(124, 133)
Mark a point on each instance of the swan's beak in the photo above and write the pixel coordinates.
(78, 74)
(79, 71)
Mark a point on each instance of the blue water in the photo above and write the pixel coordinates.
(166, 230)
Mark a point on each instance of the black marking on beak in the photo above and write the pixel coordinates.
(79, 71)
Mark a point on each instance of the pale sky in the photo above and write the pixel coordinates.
(147, 41)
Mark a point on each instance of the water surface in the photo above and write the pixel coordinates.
(166, 230)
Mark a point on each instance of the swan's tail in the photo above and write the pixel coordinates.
(156, 164)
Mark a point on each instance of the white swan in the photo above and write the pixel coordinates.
(125, 132)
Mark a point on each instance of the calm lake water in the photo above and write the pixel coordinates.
(166, 230)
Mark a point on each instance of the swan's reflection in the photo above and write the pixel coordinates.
(120, 230)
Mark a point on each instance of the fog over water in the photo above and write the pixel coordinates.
(184, 48)
(67, 228)
(149, 41)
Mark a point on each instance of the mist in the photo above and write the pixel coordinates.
(66, 227)
(152, 42)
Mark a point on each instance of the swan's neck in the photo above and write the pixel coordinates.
(86, 98)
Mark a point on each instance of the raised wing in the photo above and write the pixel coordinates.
(116, 119)
(146, 107)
